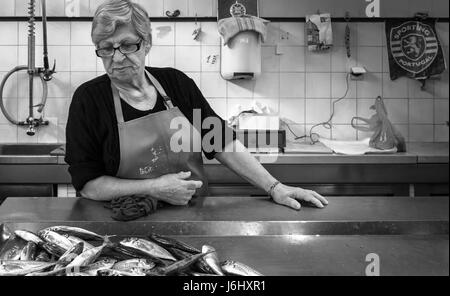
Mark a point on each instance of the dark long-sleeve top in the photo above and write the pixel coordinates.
(92, 138)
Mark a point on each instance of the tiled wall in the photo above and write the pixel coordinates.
(298, 85)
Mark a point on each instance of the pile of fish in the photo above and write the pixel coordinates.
(74, 251)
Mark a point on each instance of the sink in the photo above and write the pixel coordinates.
(28, 149)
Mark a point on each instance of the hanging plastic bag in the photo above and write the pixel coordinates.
(385, 135)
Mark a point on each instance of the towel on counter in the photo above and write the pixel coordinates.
(131, 207)
(319, 32)
(231, 26)
(355, 147)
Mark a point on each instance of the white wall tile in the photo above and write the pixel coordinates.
(153, 8)
(344, 111)
(22, 81)
(421, 133)
(22, 109)
(403, 129)
(317, 110)
(83, 58)
(23, 34)
(219, 105)
(163, 33)
(293, 109)
(7, 8)
(294, 131)
(240, 88)
(210, 34)
(441, 111)
(84, 8)
(59, 86)
(55, 8)
(9, 58)
(161, 56)
(8, 33)
(210, 61)
(58, 108)
(363, 108)
(273, 34)
(183, 33)
(171, 5)
(10, 87)
(59, 53)
(270, 62)
(8, 133)
(370, 86)
(293, 59)
(318, 85)
(339, 86)
(339, 60)
(339, 34)
(370, 58)
(415, 91)
(61, 133)
(49, 133)
(80, 33)
(11, 107)
(441, 133)
(343, 133)
(318, 61)
(292, 85)
(395, 89)
(200, 8)
(187, 58)
(421, 111)
(441, 90)
(397, 110)
(58, 33)
(267, 86)
(213, 85)
(370, 34)
(292, 33)
(22, 136)
(320, 130)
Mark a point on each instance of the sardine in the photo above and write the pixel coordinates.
(237, 268)
(181, 265)
(92, 269)
(29, 252)
(70, 255)
(212, 259)
(173, 243)
(75, 240)
(42, 256)
(29, 237)
(131, 263)
(115, 272)
(55, 238)
(54, 249)
(20, 267)
(12, 249)
(200, 265)
(147, 247)
(87, 257)
(78, 232)
(202, 274)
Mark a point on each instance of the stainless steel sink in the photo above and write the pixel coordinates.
(28, 149)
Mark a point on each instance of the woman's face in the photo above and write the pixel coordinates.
(124, 68)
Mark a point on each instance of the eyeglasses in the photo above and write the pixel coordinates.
(123, 48)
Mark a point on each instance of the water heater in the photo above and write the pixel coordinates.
(241, 57)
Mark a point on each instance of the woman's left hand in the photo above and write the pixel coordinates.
(290, 196)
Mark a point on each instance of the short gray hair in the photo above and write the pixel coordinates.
(113, 13)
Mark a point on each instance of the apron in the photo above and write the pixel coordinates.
(145, 144)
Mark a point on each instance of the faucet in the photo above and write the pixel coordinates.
(44, 73)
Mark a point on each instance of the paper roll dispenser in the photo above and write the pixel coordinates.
(241, 46)
(241, 56)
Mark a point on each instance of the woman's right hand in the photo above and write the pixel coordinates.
(174, 188)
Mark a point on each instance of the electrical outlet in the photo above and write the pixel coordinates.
(357, 73)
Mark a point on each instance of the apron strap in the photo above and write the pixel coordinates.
(118, 106)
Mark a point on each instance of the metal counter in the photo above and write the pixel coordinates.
(410, 235)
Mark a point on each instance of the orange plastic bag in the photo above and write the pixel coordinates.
(385, 135)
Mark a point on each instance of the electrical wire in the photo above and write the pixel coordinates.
(314, 137)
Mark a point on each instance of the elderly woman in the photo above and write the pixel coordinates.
(119, 127)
